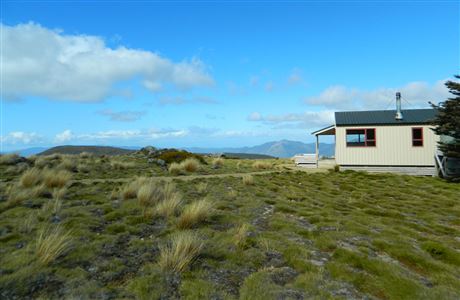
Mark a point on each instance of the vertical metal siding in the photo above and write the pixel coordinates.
(394, 147)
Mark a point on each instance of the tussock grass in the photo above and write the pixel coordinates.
(42, 162)
(176, 169)
(148, 196)
(51, 206)
(169, 206)
(9, 159)
(194, 214)
(83, 168)
(29, 223)
(191, 164)
(56, 179)
(17, 194)
(217, 162)
(68, 163)
(261, 165)
(51, 243)
(169, 202)
(120, 165)
(240, 237)
(248, 179)
(180, 252)
(31, 178)
(129, 191)
(85, 154)
(202, 187)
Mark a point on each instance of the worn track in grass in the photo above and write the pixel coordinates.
(195, 176)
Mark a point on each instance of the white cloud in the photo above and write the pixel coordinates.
(122, 116)
(254, 81)
(295, 77)
(21, 137)
(414, 95)
(133, 134)
(308, 119)
(182, 100)
(41, 62)
(269, 86)
(64, 136)
(255, 116)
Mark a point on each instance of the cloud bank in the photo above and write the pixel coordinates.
(42, 62)
(414, 95)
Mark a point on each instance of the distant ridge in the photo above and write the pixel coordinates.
(97, 150)
(283, 148)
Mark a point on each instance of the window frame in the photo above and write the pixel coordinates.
(417, 140)
(366, 140)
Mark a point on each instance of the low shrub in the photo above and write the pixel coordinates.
(180, 252)
(51, 243)
(194, 214)
(177, 156)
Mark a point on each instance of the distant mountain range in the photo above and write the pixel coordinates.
(283, 148)
(74, 150)
(97, 150)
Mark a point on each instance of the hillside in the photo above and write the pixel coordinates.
(283, 148)
(97, 150)
(90, 228)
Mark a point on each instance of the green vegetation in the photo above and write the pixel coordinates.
(447, 121)
(232, 230)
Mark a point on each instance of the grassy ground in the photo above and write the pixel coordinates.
(280, 235)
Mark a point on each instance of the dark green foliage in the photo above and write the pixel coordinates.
(447, 121)
(173, 155)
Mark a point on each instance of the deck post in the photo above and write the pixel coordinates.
(317, 151)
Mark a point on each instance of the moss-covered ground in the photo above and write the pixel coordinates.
(286, 235)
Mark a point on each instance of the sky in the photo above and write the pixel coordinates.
(213, 73)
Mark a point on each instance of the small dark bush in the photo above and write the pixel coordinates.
(170, 156)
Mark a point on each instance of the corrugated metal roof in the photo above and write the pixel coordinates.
(384, 117)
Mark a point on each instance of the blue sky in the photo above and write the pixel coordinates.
(210, 73)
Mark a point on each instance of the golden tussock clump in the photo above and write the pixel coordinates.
(170, 202)
(261, 165)
(56, 179)
(195, 213)
(182, 249)
(51, 243)
(190, 164)
(31, 178)
(176, 169)
(248, 179)
(217, 162)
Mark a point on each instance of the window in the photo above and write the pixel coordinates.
(361, 137)
(417, 137)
